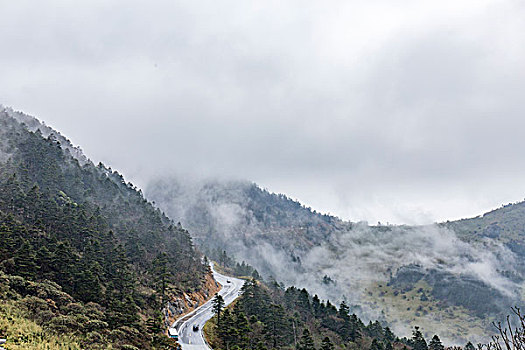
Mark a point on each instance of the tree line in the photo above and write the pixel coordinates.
(271, 317)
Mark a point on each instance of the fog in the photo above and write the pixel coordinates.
(362, 255)
(355, 256)
(298, 246)
(405, 113)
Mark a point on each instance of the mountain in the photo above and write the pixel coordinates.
(505, 224)
(83, 255)
(249, 221)
(453, 278)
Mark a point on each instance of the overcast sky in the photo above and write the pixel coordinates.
(399, 111)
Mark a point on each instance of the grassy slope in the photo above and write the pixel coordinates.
(451, 322)
(507, 224)
(22, 333)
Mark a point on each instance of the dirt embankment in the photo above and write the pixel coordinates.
(182, 305)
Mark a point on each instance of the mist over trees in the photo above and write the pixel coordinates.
(267, 316)
(295, 245)
(76, 238)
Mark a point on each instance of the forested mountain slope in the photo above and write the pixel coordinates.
(82, 252)
(455, 284)
(269, 230)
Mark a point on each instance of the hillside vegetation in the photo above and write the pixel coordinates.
(270, 317)
(83, 255)
(474, 269)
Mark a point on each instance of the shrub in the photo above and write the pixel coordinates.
(64, 324)
(95, 325)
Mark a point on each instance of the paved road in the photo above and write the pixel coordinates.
(191, 340)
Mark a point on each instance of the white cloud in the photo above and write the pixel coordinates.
(367, 109)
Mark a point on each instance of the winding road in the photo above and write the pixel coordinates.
(190, 340)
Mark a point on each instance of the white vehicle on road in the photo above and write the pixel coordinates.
(172, 333)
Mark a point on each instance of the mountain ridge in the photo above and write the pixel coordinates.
(330, 257)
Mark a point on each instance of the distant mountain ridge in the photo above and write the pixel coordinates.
(467, 272)
(506, 224)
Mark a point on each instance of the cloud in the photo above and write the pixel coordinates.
(331, 102)
(362, 254)
(282, 241)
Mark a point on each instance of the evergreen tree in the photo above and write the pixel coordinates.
(218, 304)
(243, 329)
(418, 342)
(306, 342)
(330, 309)
(44, 260)
(376, 345)
(276, 325)
(435, 344)
(25, 260)
(348, 328)
(154, 323)
(469, 346)
(375, 330)
(303, 301)
(327, 344)
(227, 330)
(389, 336)
(316, 305)
(344, 311)
(161, 274)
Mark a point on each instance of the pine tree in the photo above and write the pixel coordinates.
(375, 330)
(243, 329)
(344, 311)
(161, 275)
(8, 241)
(349, 327)
(154, 323)
(435, 344)
(44, 261)
(275, 324)
(218, 304)
(327, 344)
(418, 341)
(330, 309)
(389, 336)
(303, 301)
(306, 342)
(376, 345)
(316, 305)
(25, 260)
(469, 346)
(228, 330)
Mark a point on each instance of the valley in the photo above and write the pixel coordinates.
(471, 277)
(94, 240)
